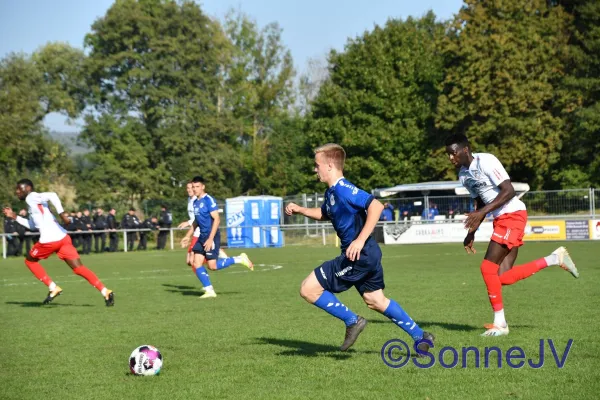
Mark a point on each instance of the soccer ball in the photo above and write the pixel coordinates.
(145, 360)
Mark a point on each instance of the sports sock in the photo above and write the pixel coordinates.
(39, 272)
(403, 320)
(226, 262)
(552, 259)
(489, 271)
(89, 276)
(499, 319)
(329, 303)
(204, 278)
(519, 272)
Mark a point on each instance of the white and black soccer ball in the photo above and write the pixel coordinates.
(146, 360)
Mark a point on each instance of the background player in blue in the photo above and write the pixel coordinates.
(207, 247)
(353, 213)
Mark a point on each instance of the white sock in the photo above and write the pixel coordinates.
(209, 289)
(52, 286)
(499, 319)
(237, 259)
(552, 259)
(104, 291)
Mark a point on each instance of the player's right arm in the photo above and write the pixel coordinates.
(313, 213)
(186, 240)
(470, 238)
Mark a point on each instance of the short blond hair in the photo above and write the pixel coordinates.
(333, 153)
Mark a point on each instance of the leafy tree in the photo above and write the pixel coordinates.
(579, 164)
(379, 101)
(30, 88)
(503, 74)
(155, 70)
(258, 94)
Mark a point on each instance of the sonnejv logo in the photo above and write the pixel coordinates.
(396, 353)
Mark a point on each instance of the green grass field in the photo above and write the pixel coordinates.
(259, 339)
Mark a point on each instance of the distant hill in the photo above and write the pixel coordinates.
(69, 139)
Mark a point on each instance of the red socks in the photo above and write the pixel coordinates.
(494, 283)
(38, 271)
(89, 276)
(489, 270)
(522, 271)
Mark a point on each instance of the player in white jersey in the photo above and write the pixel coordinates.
(53, 239)
(487, 181)
(189, 223)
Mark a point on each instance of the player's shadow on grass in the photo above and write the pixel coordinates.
(446, 325)
(39, 304)
(309, 349)
(188, 290)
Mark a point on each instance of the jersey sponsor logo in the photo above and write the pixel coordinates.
(344, 271)
(349, 186)
(323, 273)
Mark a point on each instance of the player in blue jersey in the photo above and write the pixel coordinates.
(353, 213)
(206, 217)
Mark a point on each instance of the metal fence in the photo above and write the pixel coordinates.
(300, 230)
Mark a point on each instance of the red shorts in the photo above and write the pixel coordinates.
(509, 229)
(63, 248)
(194, 240)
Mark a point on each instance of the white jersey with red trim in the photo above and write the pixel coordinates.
(190, 210)
(482, 178)
(41, 218)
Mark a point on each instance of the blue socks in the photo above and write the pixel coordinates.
(329, 303)
(203, 276)
(225, 262)
(401, 318)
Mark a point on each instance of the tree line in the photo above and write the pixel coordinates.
(166, 92)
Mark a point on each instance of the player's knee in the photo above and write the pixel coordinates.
(212, 267)
(308, 293)
(489, 268)
(375, 304)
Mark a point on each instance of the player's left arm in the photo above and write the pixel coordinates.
(507, 192)
(208, 245)
(498, 176)
(373, 208)
(53, 198)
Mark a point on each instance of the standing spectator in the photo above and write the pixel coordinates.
(387, 214)
(149, 223)
(113, 236)
(130, 221)
(430, 212)
(86, 236)
(165, 222)
(100, 224)
(10, 228)
(71, 228)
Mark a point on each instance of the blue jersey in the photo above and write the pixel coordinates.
(202, 209)
(346, 206)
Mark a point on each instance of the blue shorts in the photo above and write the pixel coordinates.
(365, 274)
(211, 254)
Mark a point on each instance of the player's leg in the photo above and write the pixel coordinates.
(376, 300)
(514, 274)
(68, 253)
(42, 251)
(225, 262)
(319, 287)
(190, 253)
(371, 290)
(201, 272)
(495, 255)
